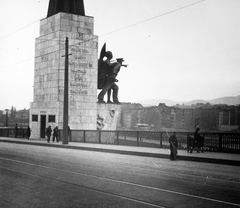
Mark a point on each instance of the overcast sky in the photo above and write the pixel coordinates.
(176, 49)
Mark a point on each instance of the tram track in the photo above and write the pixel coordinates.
(85, 187)
(104, 179)
(157, 173)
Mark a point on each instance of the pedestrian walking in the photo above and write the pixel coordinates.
(55, 134)
(202, 139)
(16, 130)
(28, 132)
(197, 138)
(173, 146)
(48, 133)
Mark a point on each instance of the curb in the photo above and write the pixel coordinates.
(133, 153)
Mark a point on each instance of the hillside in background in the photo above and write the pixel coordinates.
(234, 100)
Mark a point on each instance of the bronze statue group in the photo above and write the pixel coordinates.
(107, 73)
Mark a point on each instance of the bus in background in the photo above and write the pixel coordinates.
(142, 127)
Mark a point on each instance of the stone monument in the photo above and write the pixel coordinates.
(66, 18)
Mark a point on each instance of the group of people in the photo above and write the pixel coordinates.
(55, 134)
(196, 141)
(107, 73)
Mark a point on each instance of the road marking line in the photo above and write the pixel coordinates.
(93, 189)
(128, 183)
(155, 164)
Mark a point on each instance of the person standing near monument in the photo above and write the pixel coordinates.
(28, 132)
(173, 146)
(16, 130)
(48, 133)
(55, 134)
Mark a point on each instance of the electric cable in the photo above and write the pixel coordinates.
(132, 25)
(20, 29)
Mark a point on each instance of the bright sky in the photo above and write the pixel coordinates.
(176, 49)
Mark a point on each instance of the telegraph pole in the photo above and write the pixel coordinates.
(65, 102)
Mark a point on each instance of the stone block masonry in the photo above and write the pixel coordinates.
(49, 73)
(107, 116)
(84, 112)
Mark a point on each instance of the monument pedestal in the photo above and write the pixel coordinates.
(47, 106)
(108, 116)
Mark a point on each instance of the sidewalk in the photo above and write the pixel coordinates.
(209, 157)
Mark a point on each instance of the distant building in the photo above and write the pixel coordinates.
(22, 114)
(20, 117)
(207, 117)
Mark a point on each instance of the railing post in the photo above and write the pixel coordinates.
(7, 132)
(160, 139)
(99, 137)
(84, 136)
(238, 143)
(137, 138)
(220, 143)
(117, 137)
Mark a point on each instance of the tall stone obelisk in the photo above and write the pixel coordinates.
(66, 18)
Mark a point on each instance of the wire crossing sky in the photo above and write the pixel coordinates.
(180, 50)
(103, 34)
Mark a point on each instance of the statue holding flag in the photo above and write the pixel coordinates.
(107, 73)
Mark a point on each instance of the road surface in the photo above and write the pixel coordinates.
(36, 176)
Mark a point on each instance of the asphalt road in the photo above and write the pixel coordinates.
(36, 176)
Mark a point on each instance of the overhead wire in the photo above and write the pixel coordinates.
(19, 29)
(132, 25)
(175, 10)
(161, 15)
(17, 63)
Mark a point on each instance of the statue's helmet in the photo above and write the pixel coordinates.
(109, 54)
(120, 60)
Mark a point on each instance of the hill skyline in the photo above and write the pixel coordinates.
(228, 100)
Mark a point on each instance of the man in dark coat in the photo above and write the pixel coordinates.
(55, 134)
(173, 146)
(16, 131)
(48, 133)
(197, 137)
(28, 132)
